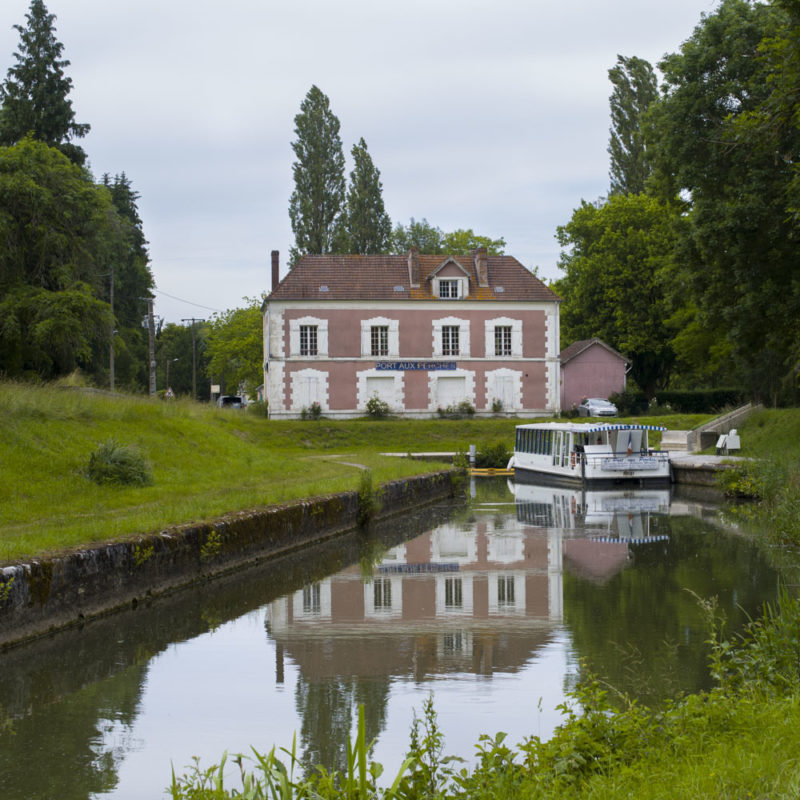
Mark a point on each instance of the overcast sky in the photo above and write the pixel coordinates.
(484, 115)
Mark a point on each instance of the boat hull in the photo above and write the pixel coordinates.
(598, 478)
(540, 476)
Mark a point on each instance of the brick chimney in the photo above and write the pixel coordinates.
(413, 267)
(482, 266)
(275, 269)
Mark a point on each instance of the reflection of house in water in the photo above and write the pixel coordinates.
(478, 598)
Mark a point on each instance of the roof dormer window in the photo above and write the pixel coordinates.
(449, 288)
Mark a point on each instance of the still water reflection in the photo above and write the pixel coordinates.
(496, 610)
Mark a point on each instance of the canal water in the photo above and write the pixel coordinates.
(497, 610)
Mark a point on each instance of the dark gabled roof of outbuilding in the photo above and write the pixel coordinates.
(378, 277)
(576, 348)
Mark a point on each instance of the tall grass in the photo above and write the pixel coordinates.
(771, 441)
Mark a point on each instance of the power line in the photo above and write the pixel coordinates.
(180, 299)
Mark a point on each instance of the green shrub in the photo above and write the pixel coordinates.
(377, 408)
(260, 408)
(630, 403)
(120, 465)
(754, 480)
(456, 411)
(314, 411)
(493, 456)
(368, 504)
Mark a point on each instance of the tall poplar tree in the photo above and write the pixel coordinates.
(35, 92)
(635, 87)
(319, 182)
(366, 227)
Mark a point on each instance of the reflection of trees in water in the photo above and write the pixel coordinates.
(328, 710)
(72, 747)
(642, 630)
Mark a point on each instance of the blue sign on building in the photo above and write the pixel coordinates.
(395, 366)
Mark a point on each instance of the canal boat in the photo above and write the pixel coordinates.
(591, 454)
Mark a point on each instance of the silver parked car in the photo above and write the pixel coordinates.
(597, 407)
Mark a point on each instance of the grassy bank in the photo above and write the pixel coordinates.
(204, 461)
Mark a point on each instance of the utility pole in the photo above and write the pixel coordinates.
(193, 320)
(151, 335)
(111, 338)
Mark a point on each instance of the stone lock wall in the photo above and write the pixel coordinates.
(45, 594)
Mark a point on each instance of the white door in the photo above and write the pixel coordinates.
(450, 391)
(504, 391)
(308, 391)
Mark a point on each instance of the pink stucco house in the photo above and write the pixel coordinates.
(590, 368)
(421, 332)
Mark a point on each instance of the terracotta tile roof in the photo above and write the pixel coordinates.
(576, 348)
(379, 277)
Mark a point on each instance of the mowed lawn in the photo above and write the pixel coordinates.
(205, 461)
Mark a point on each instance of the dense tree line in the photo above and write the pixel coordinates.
(696, 245)
(63, 236)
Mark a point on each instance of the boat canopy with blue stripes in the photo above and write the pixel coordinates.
(589, 427)
(621, 427)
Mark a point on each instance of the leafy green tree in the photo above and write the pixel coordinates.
(52, 219)
(739, 249)
(174, 358)
(236, 348)
(462, 242)
(60, 234)
(133, 282)
(617, 260)
(49, 333)
(54, 234)
(365, 225)
(422, 235)
(319, 182)
(635, 88)
(35, 93)
(431, 240)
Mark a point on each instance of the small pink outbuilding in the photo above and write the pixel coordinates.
(590, 368)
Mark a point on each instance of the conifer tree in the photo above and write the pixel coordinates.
(34, 93)
(635, 88)
(319, 182)
(366, 226)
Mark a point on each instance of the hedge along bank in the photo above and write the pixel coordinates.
(49, 593)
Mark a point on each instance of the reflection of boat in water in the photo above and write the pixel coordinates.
(618, 515)
(599, 529)
(567, 453)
